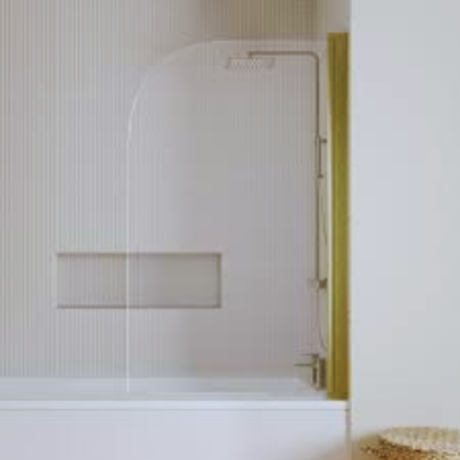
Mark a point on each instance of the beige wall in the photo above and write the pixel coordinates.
(68, 72)
(405, 218)
(338, 15)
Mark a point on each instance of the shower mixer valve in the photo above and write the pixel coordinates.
(318, 369)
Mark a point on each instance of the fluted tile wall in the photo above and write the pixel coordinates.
(68, 72)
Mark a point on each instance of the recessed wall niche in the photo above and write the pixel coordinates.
(157, 280)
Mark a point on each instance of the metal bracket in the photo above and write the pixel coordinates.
(320, 141)
(318, 284)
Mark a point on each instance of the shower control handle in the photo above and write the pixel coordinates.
(318, 367)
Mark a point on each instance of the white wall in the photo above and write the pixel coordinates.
(405, 221)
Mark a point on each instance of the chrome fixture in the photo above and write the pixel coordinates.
(318, 367)
(316, 283)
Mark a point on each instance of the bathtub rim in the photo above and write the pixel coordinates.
(161, 394)
(174, 405)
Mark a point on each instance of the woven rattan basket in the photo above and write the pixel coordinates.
(417, 443)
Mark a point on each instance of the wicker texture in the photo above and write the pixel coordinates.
(417, 443)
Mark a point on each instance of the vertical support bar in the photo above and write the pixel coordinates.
(338, 359)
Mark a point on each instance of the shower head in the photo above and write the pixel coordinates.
(250, 62)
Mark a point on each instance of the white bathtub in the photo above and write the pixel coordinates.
(193, 419)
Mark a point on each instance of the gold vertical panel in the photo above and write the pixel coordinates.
(338, 362)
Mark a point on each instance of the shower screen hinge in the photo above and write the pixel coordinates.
(318, 284)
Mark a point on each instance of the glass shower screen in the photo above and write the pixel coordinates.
(221, 219)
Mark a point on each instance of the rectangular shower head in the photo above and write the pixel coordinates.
(250, 63)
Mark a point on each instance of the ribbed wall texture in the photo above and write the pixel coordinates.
(221, 160)
(68, 72)
(157, 280)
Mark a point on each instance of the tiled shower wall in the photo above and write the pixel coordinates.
(68, 72)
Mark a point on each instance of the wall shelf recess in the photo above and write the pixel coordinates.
(140, 280)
